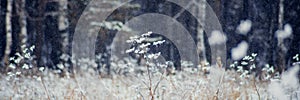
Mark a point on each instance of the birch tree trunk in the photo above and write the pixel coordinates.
(282, 50)
(200, 34)
(62, 26)
(23, 26)
(8, 32)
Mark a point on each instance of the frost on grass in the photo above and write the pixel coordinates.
(287, 87)
(126, 84)
(244, 27)
(240, 51)
(129, 81)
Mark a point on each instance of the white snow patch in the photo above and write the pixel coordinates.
(275, 89)
(289, 82)
(240, 51)
(285, 33)
(290, 78)
(244, 27)
(216, 38)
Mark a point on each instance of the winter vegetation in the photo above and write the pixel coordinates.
(230, 49)
(152, 81)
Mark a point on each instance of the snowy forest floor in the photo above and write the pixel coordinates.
(218, 84)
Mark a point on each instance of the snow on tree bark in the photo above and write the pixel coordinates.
(63, 24)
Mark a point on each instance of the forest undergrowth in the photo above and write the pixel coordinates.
(190, 84)
(152, 80)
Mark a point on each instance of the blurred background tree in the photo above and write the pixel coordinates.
(49, 25)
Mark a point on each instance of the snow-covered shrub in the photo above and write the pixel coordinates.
(287, 87)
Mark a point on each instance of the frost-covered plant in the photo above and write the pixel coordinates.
(22, 63)
(141, 50)
(64, 63)
(141, 47)
(287, 87)
(126, 67)
(268, 72)
(188, 67)
(296, 60)
(246, 66)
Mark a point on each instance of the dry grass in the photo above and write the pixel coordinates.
(89, 86)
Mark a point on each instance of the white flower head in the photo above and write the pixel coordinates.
(18, 73)
(32, 47)
(144, 45)
(41, 69)
(159, 42)
(12, 66)
(130, 50)
(154, 56)
(296, 57)
(147, 34)
(25, 66)
(60, 66)
(39, 78)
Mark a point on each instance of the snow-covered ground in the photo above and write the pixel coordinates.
(187, 84)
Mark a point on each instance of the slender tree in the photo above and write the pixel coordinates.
(63, 25)
(23, 25)
(39, 7)
(39, 33)
(3, 5)
(282, 50)
(291, 16)
(8, 31)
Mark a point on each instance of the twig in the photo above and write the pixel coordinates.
(76, 81)
(256, 89)
(150, 83)
(160, 79)
(173, 85)
(220, 81)
(142, 95)
(108, 89)
(46, 90)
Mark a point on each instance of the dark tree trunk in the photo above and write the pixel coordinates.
(15, 29)
(35, 27)
(264, 17)
(52, 41)
(232, 14)
(3, 4)
(292, 17)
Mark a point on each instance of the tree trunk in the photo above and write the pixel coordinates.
(291, 16)
(8, 32)
(282, 50)
(23, 25)
(63, 25)
(3, 6)
(39, 31)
